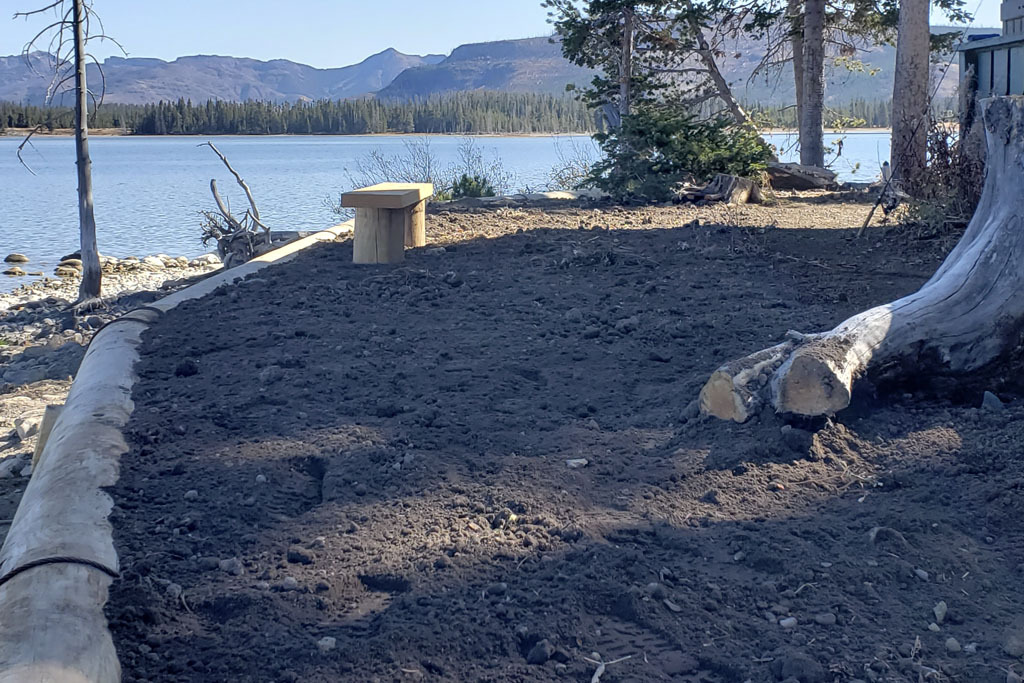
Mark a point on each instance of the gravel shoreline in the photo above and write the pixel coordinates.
(42, 343)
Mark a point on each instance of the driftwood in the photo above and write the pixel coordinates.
(968, 317)
(237, 239)
(783, 176)
(722, 188)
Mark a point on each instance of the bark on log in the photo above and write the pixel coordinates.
(783, 176)
(723, 188)
(968, 316)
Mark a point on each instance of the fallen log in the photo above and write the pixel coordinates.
(723, 188)
(782, 176)
(969, 316)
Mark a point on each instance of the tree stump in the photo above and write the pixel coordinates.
(389, 218)
(967, 317)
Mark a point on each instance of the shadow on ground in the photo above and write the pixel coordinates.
(392, 458)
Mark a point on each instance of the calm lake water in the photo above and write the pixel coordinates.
(148, 190)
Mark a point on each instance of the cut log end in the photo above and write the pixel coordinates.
(810, 386)
(719, 398)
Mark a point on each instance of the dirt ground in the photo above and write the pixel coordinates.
(485, 464)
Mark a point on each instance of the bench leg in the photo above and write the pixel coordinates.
(416, 226)
(379, 236)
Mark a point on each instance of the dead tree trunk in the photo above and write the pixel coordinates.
(967, 317)
(812, 145)
(91, 271)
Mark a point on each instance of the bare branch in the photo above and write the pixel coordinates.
(238, 178)
(26, 142)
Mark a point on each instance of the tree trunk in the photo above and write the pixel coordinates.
(91, 272)
(794, 15)
(910, 96)
(966, 318)
(812, 144)
(707, 58)
(626, 62)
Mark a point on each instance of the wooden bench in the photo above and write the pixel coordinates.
(389, 217)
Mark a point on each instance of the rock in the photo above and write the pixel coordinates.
(799, 667)
(299, 555)
(827, 619)
(231, 566)
(26, 471)
(788, 623)
(991, 403)
(289, 584)
(940, 612)
(173, 591)
(153, 262)
(798, 440)
(9, 466)
(799, 177)
(208, 564)
(15, 271)
(261, 479)
(497, 589)
(27, 426)
(1013, 644)
(934, 628)
(576, 463)
(574, 315)
(657, 591)
(65, 271)
(540, 653)
(921, 574)
(271, 374)
(186, 368)
(326, 644)
(191, 494)
(16, 258)
(71, 263)
(953, 645)
(627, 325)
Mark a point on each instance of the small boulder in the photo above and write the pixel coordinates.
(540, 653)
(991, 403)
(15, 271)
(16, 258)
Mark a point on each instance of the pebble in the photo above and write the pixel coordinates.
(953, 645)
(261, 479)
(289, 584)
(576, 463)
(827, 619)
(540, 653)
(1013, 644)
(26, 471)
(299, 555)
(326, 644)
(191, 494)
(497, 589)
(934, 628)
(990, 402)
(271, 374)
(940, 611)
(174, 591)
(921, 574)
(788, 622)
(231, 566)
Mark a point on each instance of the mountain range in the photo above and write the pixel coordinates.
(526, 65)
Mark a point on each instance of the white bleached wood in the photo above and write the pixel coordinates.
(969, 315)
(52, 626)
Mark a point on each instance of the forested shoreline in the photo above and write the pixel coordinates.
(484, 112)
(456, 113)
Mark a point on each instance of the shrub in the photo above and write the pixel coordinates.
(654, 151)
(472, 186)
(947, 193)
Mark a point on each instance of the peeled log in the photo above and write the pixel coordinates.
(967, 317)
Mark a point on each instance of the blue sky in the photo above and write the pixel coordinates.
(323, 33)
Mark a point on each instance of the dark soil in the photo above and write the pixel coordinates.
(378, 455)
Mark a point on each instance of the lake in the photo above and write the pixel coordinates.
(148, 190)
